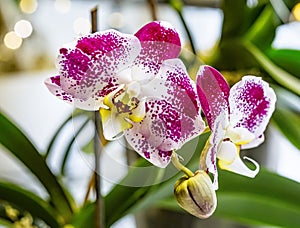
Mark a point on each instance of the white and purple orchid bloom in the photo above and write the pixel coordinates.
(237, 118)
(139, 85)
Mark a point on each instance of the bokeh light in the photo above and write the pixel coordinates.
(28, 6)
(81, 26)
(116, 20)
(62, 6)
(296, 11)
(23, 28)
(12, 40)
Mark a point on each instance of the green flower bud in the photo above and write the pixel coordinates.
(196, 194)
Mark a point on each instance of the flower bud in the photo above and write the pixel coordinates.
(196, 194)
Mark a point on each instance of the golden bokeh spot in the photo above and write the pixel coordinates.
(296, 11)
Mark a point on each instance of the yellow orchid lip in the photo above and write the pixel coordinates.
(122, 108)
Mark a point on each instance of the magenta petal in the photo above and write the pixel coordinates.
(53, 84)
(213, 92)
(173, 85)
(160, 41)
(252, 103)
(158, 134)
(89, 69)
(160, 31)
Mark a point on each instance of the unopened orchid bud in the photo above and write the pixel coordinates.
(196, 194)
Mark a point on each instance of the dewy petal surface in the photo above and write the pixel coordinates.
(213, 92)
(160, 41)
(252, 103)
(89, 70)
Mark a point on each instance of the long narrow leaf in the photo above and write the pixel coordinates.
(21, 147)
(75, 114)
(281, 76)
(68, 150)
(288, 123)
(287, 59)
(257, 210)
(28, 201)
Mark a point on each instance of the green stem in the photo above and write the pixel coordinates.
(181, 167)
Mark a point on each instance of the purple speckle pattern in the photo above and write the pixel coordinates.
(55, 80)
(249, 104)
(88, 70)
(155, 136)
(252, 103)
(160, 41)
(213, 92)
(172, 117)
(93, 64)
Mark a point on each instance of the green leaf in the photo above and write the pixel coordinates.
(286, 59)
(288, 123)
(76, 113)
(70, 144)
(21, 147)
(6, 224)
(232, 10)
(257, 210)
(127, 198)
(84, 217)
(268, 198)
(28, 201)
(262, 31)
(166, 188)
(278, 74)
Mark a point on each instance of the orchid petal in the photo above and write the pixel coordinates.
(230, 160)
(173, 85)
(252, 103)
(120, 111)
(90, 68)
(213, 145)
(53, 84)
(227, 152)
(113, 125)
(239, 167)
(155, 137)
(162, 131)
(213, 92)
(254, 143)
(160, 41)
(239, 135)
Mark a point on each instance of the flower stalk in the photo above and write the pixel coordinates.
(99, 212)
(179, 166)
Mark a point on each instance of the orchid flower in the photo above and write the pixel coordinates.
(237, 118)
(137, 83)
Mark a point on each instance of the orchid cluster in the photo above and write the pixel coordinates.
(143, 92)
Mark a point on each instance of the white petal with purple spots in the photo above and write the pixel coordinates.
(252, 103)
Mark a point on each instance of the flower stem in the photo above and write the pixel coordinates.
(179, 166)
(152, 5)
(99, 211)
